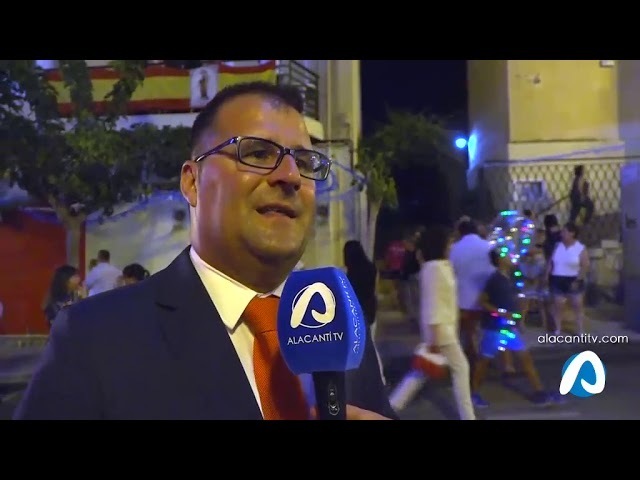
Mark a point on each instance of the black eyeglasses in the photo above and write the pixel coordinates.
(267, 155)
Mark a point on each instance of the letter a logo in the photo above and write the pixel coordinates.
(586, 367)
(301, 304)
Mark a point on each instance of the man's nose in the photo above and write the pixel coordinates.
(287, 173)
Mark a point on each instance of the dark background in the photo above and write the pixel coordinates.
(433, 86)
(420, 86)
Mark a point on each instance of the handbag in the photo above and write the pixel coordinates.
(433, 365)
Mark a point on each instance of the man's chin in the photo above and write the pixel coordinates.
(278, 253)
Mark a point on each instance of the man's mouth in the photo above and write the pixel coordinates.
(277, 209)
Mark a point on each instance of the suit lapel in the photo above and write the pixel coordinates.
(200, 344)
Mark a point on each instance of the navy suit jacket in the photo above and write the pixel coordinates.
(157, 350)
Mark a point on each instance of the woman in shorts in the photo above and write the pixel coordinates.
(568, 268)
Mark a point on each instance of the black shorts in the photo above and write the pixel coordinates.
(563, 285)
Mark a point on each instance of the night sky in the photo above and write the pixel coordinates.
(427, 86)
(436, 86)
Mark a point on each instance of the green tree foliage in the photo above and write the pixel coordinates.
(81, 164)
(160, 152)
(404, 140)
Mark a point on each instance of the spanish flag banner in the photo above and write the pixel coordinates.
(164, 90)
(231, 74)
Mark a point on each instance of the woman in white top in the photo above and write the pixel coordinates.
(567, 271)
(438, 321)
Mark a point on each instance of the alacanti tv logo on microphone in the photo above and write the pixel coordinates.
(318, 318)
(301, 303)
(320, 322)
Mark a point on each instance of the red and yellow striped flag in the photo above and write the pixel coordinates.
(164, 90)
(230, 75)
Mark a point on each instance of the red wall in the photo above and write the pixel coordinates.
(30, 250)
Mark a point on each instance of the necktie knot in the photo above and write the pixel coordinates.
(261, 314)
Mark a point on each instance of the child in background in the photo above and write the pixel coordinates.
(500, 332)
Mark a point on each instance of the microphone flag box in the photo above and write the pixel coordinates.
(321, 327)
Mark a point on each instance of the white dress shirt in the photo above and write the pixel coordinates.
(231, 299)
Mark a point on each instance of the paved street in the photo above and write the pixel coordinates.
(396, 339)
(620, 399)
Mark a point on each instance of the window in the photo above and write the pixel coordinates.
(531, 194)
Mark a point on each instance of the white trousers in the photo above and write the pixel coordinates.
(413, 382)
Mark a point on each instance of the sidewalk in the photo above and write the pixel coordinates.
(396, 337)
(18, 357)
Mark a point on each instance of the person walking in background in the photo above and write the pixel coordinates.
(470, 261)
(409, 277)
(362, 275)
(394, 259)
(134, 273)
(103, 276)
(438, 322)
(64, 290)
(533, 267)
(579, 196)
(500, 334)
(567, 272)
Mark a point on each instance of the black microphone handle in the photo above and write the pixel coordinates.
(331, 395)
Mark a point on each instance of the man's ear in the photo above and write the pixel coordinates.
(189, 182)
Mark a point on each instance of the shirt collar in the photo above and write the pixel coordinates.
(229, 296)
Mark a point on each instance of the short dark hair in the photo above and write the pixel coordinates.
(104, 255)
(550, 220)
(135, 271)
(494, 257)
(287, 95)
(573, 228)
(433, 243)
(467, 227)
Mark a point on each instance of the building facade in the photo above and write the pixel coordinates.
(533, 121)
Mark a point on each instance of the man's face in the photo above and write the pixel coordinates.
(230, 198)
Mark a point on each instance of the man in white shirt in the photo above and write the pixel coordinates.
(470, 259)
(103, 276)
(193, 341)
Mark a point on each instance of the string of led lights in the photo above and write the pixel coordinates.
(511, 234)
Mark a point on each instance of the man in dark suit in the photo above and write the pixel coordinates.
(184, 344)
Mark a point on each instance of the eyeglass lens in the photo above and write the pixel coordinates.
(264, 154)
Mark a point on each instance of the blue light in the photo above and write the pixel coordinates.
(461, 143)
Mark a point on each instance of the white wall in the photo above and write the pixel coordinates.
(147, 236)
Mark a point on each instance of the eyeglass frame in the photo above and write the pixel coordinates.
(284, 151)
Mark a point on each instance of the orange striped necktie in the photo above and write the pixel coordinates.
(280, 391)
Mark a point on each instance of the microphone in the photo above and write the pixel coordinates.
(321, 330)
